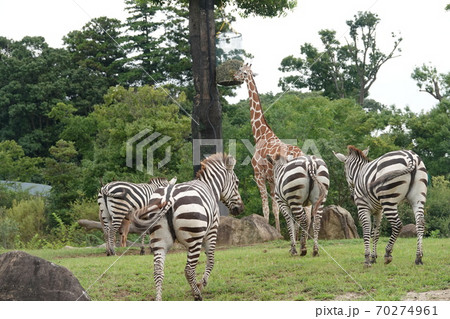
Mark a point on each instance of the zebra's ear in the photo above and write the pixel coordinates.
(270, 159)
(366, 151)
(340, 156)
(173, 181)
(230, 162)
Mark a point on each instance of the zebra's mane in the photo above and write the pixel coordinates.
(218, 157)
(158, 180)
(357, 152)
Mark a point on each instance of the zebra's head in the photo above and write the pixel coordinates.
(218, 172)
(230, 195)
(353, 163)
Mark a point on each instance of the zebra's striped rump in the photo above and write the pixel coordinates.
(117, 200)
(378, 187)
(299, 182)
(189, 212)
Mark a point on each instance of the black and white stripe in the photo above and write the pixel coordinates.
(378, 187)
(299, 182)
(189, 213)
(117, 200)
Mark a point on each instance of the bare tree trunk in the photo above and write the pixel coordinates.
(207, 112)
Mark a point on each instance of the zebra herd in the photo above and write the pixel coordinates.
(189, 213)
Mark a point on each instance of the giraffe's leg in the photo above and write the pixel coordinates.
(375, 236)
(275, 208)
(189, 270)
(392, 216)
(261, 183)
(290, 223)
(364, 218)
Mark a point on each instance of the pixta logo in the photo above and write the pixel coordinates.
(145, 143)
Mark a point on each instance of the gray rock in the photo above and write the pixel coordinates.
(336, 223)
(24, 277)
(248, 230)
(408, 230)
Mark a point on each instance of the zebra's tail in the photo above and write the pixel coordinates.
(105, 192)
(322, 189)
(391, 175)
(144, 219)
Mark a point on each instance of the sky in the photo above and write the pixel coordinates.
(424, 26)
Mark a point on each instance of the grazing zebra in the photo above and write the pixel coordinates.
(189, 212)
(300, 181)
(116, 201)
(377, 188)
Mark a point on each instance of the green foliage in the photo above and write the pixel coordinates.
(15, 166)
(437, 210)
(429, 80)
(430, 132)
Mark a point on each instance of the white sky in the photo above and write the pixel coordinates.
(424, 26)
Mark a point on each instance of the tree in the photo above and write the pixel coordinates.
(98, 61)
(207, 110)
(430, 81)
(341, 70)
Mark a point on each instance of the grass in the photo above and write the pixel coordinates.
(265, 272)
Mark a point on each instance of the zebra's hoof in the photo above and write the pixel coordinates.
(293, 252)
(142, 252)
(387, 259)
(315, 253)
(367, 265)
(303, 252)
(419, 261)
(198, 298)
(373, 260)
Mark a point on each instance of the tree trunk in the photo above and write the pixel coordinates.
(206, 121)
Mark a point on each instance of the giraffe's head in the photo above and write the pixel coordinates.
(243, 72)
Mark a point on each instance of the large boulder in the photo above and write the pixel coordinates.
(408, 230)
(24, 277)
(248, 230)
(336, 223)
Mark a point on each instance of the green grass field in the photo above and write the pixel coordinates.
(265, 272)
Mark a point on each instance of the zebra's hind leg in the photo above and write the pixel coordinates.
(420, 225)
(291, 226)
(189, 270)
(316, 229)
(210, 246)
(364, 219)
(302, 221)
(396, 225)
(158, 275)
(375, 236)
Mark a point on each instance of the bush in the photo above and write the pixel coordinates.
(29, 217)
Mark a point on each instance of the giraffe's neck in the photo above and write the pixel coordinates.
(260, 128)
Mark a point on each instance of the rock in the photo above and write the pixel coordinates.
(336, 223)
(408, 230)
(248, 230)
(25, 278)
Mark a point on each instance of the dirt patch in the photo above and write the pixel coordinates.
(433, 295)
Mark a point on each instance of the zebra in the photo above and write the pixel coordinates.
(117, 200)
(378, 186)
(189, 212)
(299, 181)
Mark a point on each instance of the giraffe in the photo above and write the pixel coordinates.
(267, 143)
